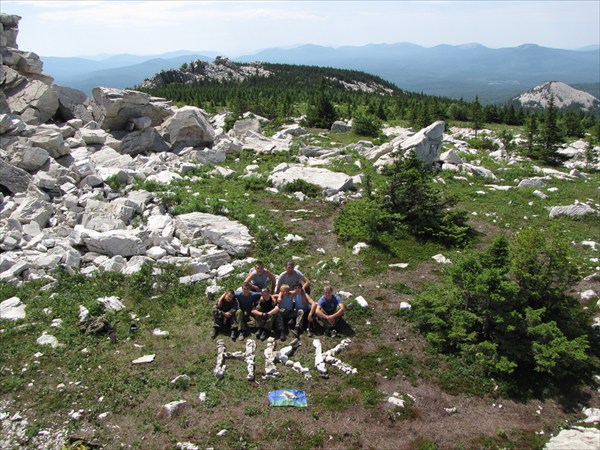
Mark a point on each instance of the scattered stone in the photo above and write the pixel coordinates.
(144, 359)
(588, 295)
(173, 408)
(358, 247)
(441, 259)
(395, 401)
(398, 265)
(361, 302)
(111, 303)
(405, 305)
(47, 339)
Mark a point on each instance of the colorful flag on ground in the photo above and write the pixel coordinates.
(288, 397)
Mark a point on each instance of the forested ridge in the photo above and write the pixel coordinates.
(291, 88)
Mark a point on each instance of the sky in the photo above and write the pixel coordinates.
(235, 28)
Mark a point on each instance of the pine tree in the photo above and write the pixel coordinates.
(550, 136)
(476, 116)
(531, 130)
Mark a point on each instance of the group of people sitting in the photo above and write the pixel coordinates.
(266, 304)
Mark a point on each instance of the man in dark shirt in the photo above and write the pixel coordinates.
(265, 314)
(225, 312)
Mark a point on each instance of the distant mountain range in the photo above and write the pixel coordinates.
(456, 71)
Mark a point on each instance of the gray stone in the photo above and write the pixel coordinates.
(531, 183)
(93, 137)
(142, 141)
(240, 127)
(115, 242)
(580, 209)
(230, 235)
(427, 143)
(71, 104)
(12, 309)
(340, 127)
(12, 178)
(113, 109)
(33, 209)
(50, 139)
(188, 127)
(32, 158)
(580, 438)
(33, 100)
(330, 182)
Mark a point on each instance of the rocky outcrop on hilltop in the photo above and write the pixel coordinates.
(565, 97)
(222, 69)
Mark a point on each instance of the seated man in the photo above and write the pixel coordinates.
(247, 301)
(264, 314)
(225, 313)
(287, 307)
(291, 277)
(329, 310)
(259, 276)
(305, 311)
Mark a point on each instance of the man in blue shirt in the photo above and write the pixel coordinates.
(329, 311)
(246, 300)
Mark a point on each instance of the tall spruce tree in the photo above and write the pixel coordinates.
(476, 116)
(550, 136)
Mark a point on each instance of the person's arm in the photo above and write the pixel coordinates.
(274, 311)
(319, 311)
(305, 282)
(248, 279)
(272, 279)
(339, 312)
(313, 307)
(278, 284)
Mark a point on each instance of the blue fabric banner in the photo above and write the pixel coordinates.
(288, 397)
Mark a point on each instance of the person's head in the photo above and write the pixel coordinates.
(246, 288)
(289, 267)
(298, 288)
(285, 289)
(259, 267)
(328, 292)
(229, 295)
(265, 294)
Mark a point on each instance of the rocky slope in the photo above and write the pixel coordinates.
(565, 97)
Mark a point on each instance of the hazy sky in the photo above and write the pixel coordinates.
(76, 28)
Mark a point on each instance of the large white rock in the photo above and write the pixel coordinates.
(115, 242)
(581, 209)
(142, 141)
(427, 143)
(330, 182)
(112, 303)
(33, 209)
(33, 100)
(114, 108)
(13, 178)
(189, 127)
(230, 235)
(12, 309)
(580, 438)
